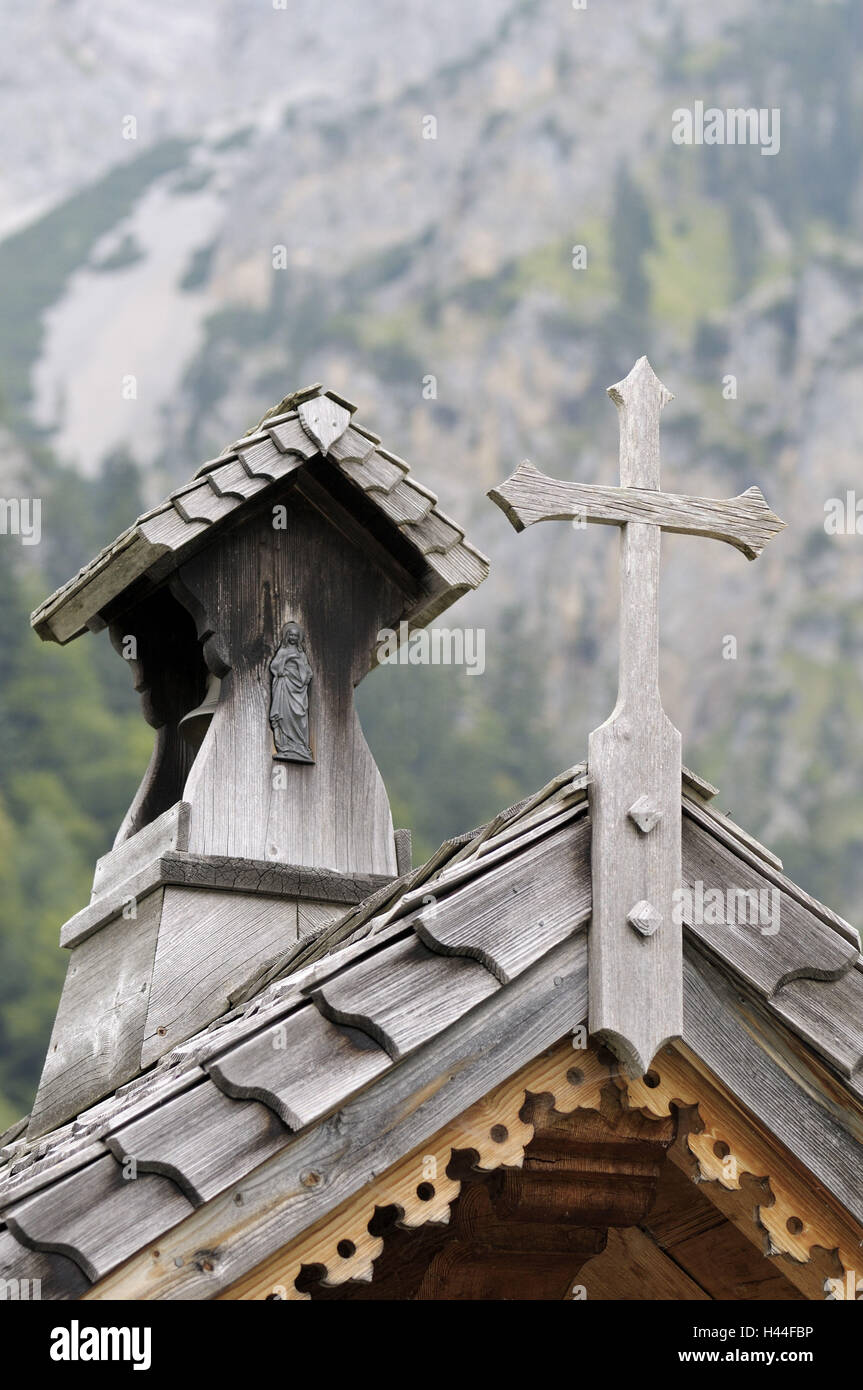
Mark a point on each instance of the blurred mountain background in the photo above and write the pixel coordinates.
(296, 135)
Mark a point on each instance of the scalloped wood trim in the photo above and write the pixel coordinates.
(418, 1184)
(575, 1078)
(730, 1145)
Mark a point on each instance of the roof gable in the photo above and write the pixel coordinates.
(450, 973)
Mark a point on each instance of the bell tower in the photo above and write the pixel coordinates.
(248, 606)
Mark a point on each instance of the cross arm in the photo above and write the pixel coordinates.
(746, 521)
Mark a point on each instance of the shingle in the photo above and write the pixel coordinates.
(403, 995)
(97, 1217)
(301, 1067)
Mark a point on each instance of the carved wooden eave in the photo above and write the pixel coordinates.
(311, 441)
(513, 1128)
(420, 1024)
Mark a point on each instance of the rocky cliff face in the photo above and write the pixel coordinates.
(388, 199)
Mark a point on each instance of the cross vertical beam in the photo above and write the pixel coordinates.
(634, 758)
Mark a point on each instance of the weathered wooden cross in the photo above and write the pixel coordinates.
(635, 946)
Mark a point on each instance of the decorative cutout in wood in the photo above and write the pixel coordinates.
(729, 1145)
(419, 1186)
(290, 677)
(796, 1220)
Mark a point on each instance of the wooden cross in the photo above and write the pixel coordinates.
(634, 761)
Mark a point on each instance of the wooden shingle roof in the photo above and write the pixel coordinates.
(368, 1036)
(427, 541)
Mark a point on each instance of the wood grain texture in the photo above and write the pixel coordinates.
(343, 1244)
(58, 1277)
(97, 1217)
(725, 1261)
(324, 420)
(300, 1067)
(240, 875)
(170, 831)
(403, 852)
(739, 1206)
(312, 921)
(67, 613)
(333, 813)
(636, 1001)
(201, 1140)
(571, 1086)
(632, 1268)
(698, 787)
(420, 1186)
(97, 1035)
(210, 944)
(179, 527)
(786, 940)
(511, 917)
(753, 854)
(523, 1233)
(251, 877)
(829, 1016)
(793, 1215)
(683, 1249)
(75, 1147)
(744, 1049)
(727, 829)
(366, 1136)
(405, 995)
(746, 521)
(634, 759)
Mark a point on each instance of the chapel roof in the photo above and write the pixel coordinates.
(364, 1035)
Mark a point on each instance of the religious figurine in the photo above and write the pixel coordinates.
(289, 698)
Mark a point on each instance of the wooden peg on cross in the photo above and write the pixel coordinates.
(634, 759)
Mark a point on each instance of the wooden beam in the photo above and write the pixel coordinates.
(745, 521)
(712, 1251)
(633, 1268)
(634, 762)
(773, 1075)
